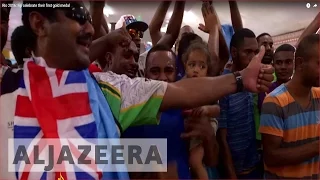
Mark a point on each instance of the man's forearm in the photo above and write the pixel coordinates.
(174, 24)
(213, 45)
(312, 28)
(191, 93)
(96, 11)
(223, 50)
(105, 24)
(157, 21)
(291, 156)
(235, 16)
(98, 48)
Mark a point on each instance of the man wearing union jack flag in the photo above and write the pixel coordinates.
(54, 95)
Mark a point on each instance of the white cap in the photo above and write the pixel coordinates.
(131, 22)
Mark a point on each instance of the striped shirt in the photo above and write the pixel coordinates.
(282, 116)
(237, 117)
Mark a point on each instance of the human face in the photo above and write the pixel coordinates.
(123, 61)
(4, 26)
(161, 66)
(243, 55)
(65, 43)
(196, 65)
(136, 36)
(267, 42)
(311, 69)
(283, 65)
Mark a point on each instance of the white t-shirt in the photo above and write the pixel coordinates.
(142, 63)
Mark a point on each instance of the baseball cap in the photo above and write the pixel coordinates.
(131, 23)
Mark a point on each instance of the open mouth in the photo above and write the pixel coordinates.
(85, 43)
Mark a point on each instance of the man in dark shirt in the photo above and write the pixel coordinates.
(283, 65)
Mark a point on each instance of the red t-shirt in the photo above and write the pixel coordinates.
(93, 68)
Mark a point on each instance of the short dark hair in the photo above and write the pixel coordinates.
(238, 37)
(306, 46)
(199, 46)
(285, 47)
(21, 39)
(263, 34)
(26, 10)
(160, 47)
(185, 41)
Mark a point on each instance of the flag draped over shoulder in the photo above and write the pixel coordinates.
(53, 103)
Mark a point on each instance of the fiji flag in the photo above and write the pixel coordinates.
(57, 104)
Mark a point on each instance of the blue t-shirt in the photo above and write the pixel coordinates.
(236, 115)
(228, 32)
(171, 126)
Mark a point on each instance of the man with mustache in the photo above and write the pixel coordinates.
(63, 39)
(265, 40)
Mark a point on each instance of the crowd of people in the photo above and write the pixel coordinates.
(230, 108)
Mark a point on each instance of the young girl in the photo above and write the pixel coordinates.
(197, 62)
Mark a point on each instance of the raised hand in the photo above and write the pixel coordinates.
(209, 16)
(203, 28)
(119, 36)
(257, 77)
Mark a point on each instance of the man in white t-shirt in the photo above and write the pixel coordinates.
(136, 30)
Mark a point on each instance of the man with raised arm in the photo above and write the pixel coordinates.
(39, 96)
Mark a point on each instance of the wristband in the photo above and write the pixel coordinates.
(239, 82)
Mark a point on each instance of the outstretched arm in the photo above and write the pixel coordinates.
(172, 33)
(96, 11)
(235, 16)
(98, 47)
(157, 21)
(312, 28)
(217, 45)
(190, 93)
(211, 24)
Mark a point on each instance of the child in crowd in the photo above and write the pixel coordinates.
(197, 62)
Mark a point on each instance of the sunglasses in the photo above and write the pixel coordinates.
(134, 33)
(79, 14)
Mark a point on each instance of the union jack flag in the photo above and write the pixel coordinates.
(54, 103)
